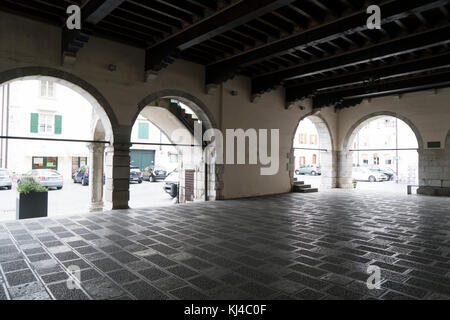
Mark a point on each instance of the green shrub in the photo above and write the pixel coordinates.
(29, 186)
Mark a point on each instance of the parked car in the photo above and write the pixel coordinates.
(82, 176)
(45, 177)
(153, 174)
(310, 169)
(79, 176)
(387, 171)
(171, 184)
(5, 179)
(135, 175)
(364, 174)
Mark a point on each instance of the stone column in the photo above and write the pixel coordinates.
(96, 158)
(117, 171)
(344, 169)
(328, 164)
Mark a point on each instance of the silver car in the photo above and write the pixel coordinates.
(46, 177)
(5, 179)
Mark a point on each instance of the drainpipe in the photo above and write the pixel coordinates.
(1, 125)
(7, 124)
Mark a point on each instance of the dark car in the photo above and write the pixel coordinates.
(171, 184)
(153, 174)
(135, 175)
(82, 176)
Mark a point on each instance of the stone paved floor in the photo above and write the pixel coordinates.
(314, 246)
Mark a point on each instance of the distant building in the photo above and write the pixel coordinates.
(376, 144)
(46, 109)
(306, 140)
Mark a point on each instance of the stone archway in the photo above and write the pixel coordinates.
(212, 184)
(103, 127)
(326, 146)
(345, 157)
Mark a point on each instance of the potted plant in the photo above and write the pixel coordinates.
(32, 200)
(355, 183)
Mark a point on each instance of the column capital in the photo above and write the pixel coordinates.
(96, 147)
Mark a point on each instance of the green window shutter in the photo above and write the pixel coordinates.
(58, 124)
(34, 123)
(143, 130)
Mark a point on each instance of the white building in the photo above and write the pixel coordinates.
(307, 142)
(48, 110)
(377, 142)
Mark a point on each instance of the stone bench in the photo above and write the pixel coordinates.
(428, 190)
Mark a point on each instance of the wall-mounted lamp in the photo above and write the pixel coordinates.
(234, 93)
(112, 67)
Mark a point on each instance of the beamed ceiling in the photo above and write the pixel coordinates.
(319, 49)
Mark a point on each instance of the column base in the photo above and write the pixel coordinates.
(96, 207)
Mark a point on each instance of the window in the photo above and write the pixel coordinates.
(173, 158)
(47, 89)
(143, 130)
(302, 161)
(388, 162)
(45, 163)
(302, 138)
(313, 139)
(46, 123)
(314, 159)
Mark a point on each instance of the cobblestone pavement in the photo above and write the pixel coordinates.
(294, 246)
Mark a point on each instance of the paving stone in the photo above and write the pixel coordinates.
(188, 293)
(14, 266)
(55, 277)
(144, 291)
(61, 292)
(102, 289)
(182, 271)
(123, 276)
(153, 274)
(19, 277)
(204, 283)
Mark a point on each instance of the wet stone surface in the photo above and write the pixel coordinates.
(294, 246)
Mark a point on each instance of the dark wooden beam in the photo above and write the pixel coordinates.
(91, 14)
(352, 23)
(161, 54)
(341, 98)
(406, 68)
(410, 43)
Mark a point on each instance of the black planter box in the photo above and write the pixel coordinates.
(32, 205)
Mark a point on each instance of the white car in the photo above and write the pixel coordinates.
(5, 179)
(364, 174)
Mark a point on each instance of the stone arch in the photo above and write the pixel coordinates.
(326, 144)
(214, 172)
(89, 92)
(361, 122)
(103, 126)
(447, 141)
(346, 157)
(200, 109)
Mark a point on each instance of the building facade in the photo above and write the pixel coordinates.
(387, 142)
(306, 144)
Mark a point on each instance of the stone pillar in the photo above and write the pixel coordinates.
(96, 157)
(328, 163)
(344, 169)
(117, 176)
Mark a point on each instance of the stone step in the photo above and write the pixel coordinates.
(302, 186)
(307, 190)
(299, 183)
